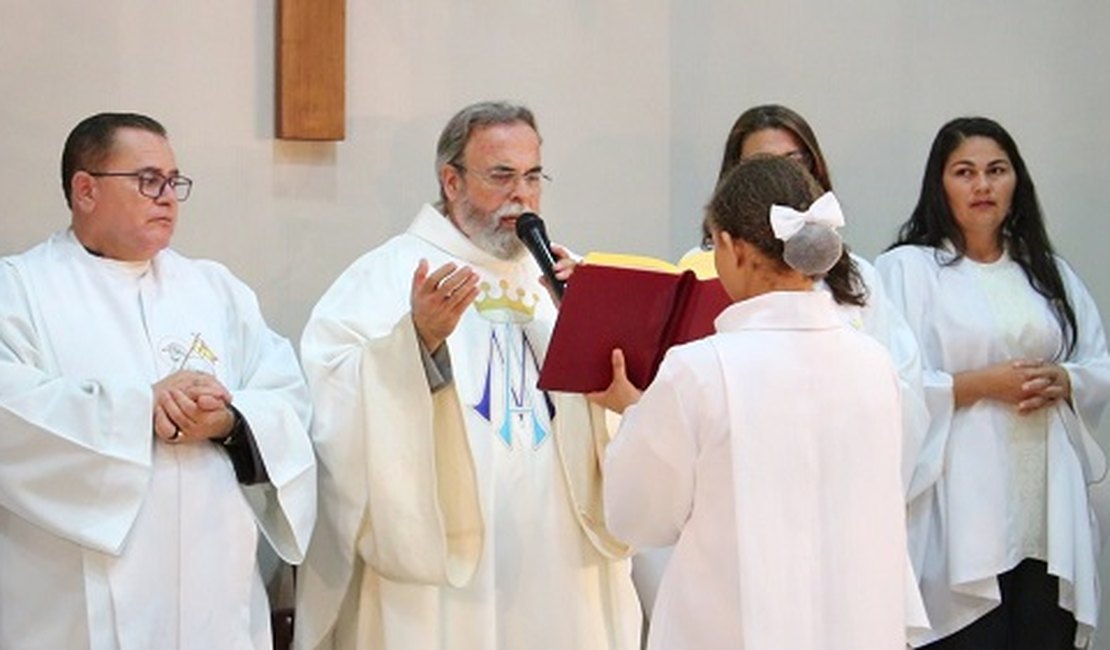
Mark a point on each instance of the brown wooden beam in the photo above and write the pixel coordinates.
(311, 80)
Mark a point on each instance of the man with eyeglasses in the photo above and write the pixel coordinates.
(150, 422)
(460, 506)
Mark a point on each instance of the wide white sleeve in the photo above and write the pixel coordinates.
(398, 490)
(650, 465)
(884, 322)
(1089, 372)
(1089, 367)
(273, 397)
(909, 280)
(582, 436)
(76, 452)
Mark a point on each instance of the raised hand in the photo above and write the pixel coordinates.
(439, 300)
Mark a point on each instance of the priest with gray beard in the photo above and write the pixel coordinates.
(460, 506)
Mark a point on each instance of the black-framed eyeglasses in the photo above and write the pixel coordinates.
(506, 179)
(152, 184)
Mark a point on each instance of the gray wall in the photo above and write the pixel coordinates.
(634, 99)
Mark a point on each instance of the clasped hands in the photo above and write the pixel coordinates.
(1029, 385)
(191, 406)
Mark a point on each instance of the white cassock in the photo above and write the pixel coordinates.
(1000, 487)
(765, 454)
(110, 538)
(880, 320)
(465, 519)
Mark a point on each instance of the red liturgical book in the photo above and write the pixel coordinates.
(639, 310)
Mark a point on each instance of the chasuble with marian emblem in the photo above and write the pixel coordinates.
(467, 518)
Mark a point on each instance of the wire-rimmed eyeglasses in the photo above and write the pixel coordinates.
(506, 179)
(152, 184)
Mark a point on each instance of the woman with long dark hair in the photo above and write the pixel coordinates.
(1016, 373)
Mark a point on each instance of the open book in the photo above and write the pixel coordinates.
(641, 305)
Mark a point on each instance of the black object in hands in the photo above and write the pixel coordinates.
(530, 230)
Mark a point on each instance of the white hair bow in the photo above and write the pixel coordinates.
(825, 211)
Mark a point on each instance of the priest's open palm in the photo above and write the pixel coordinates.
(439, 300)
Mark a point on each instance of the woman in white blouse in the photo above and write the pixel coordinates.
(1016, 373)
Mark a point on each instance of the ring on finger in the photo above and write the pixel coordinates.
(176, 436)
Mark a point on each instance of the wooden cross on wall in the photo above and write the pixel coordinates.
(311, 79)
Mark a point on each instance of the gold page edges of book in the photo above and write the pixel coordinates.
(698, 261)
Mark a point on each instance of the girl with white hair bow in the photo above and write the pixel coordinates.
(764, 452)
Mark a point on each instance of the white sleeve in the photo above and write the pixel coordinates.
(906, 279)
(1089, 366)
(885, 323)
(649, 467)
(398, 491)
(72, 462)
(273, 397)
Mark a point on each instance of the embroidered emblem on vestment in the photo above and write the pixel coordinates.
(194, 354)
(510, 400)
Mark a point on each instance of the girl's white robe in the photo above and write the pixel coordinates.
(769, 455)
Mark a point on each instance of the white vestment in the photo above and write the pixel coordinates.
(970, 524)
(465, 519)
(768, 455)
(110, 538)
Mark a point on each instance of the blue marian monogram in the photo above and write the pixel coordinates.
(510, 399)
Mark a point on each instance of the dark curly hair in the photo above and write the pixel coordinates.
(741, 204)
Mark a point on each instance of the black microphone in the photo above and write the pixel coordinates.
(530, 230)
